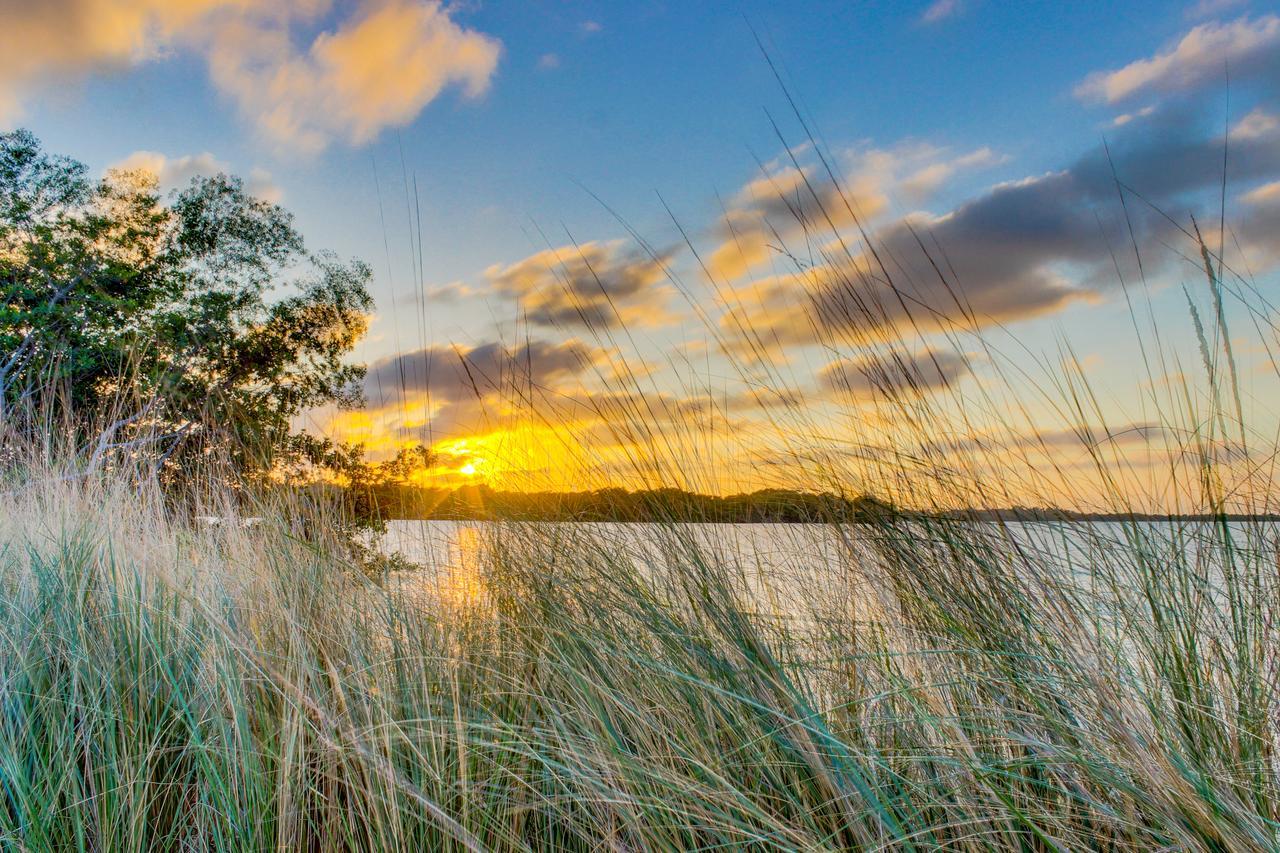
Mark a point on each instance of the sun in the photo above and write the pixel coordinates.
(468, 470)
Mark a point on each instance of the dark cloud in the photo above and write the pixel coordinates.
(451, 374)
(1022, 248)
(1083, 437)
(894, 374)
(1176, 152)
(797, 199)
(1259, 230)
(1033, 246)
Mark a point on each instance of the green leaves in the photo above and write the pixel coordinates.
(110, 300)
(36, 187)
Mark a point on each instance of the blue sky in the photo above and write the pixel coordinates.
(668, 98)
(510, 117)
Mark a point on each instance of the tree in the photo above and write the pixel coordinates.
(142, 321)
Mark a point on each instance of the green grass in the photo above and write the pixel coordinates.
(943, 685)
(170, 686)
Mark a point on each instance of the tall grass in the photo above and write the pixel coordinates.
(167, 684)
(939, 682)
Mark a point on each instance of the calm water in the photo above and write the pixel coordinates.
(779, 565)
(774, 561)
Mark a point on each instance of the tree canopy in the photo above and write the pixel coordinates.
(195, 323)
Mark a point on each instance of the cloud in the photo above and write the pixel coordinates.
(789, 197)
(1177, 152)
(378, 67)
(895, 374)
(923, 182)
(1247, 47)
(1021, 249)
(454, 388)
(1257, 124)
(1005, 249)
(797, 197)
(1265, 194)
(1259, 230)
(740, 253)
(588, 28)
(940, 10)
(440, 393)
(55, 41)
(548, 61)
(1124, 118)
(262, 185)
(1076, 438)
(456, 373)
(172, 172)
(594, 285)
(175, 173)
(454, 291)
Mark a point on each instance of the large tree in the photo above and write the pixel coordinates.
(156, 320)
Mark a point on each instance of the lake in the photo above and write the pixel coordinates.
(779, 566)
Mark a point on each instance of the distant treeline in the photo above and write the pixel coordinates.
(1022, 513)
(480, 503)
(781, 506)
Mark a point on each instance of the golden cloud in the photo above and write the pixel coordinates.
(894, 374)
(55, 40)
(797, 199)
(379, 67)
(595, 285)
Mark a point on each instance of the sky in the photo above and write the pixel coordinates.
(634, 242)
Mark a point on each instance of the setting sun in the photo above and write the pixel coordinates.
(579, 424)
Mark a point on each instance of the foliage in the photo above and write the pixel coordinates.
(154, 320)
(922, 681)
(391, 497)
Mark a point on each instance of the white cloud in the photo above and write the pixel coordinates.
(1124, 118)
(1265, 194)
(174, 173)
(1257, 124)
(924, 181)
(454, 291)
(787, 198)
(595, 285)
(548, 61)
(1200, 57)
(262, 185)
(53, 41)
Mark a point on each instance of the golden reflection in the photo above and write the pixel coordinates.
(459, 581)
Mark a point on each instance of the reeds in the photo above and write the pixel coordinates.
(938, 682)
(941, 683)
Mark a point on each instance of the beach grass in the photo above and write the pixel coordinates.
(170, 684)
(942, 682)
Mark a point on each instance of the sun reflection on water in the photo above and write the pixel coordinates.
(459, 583)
